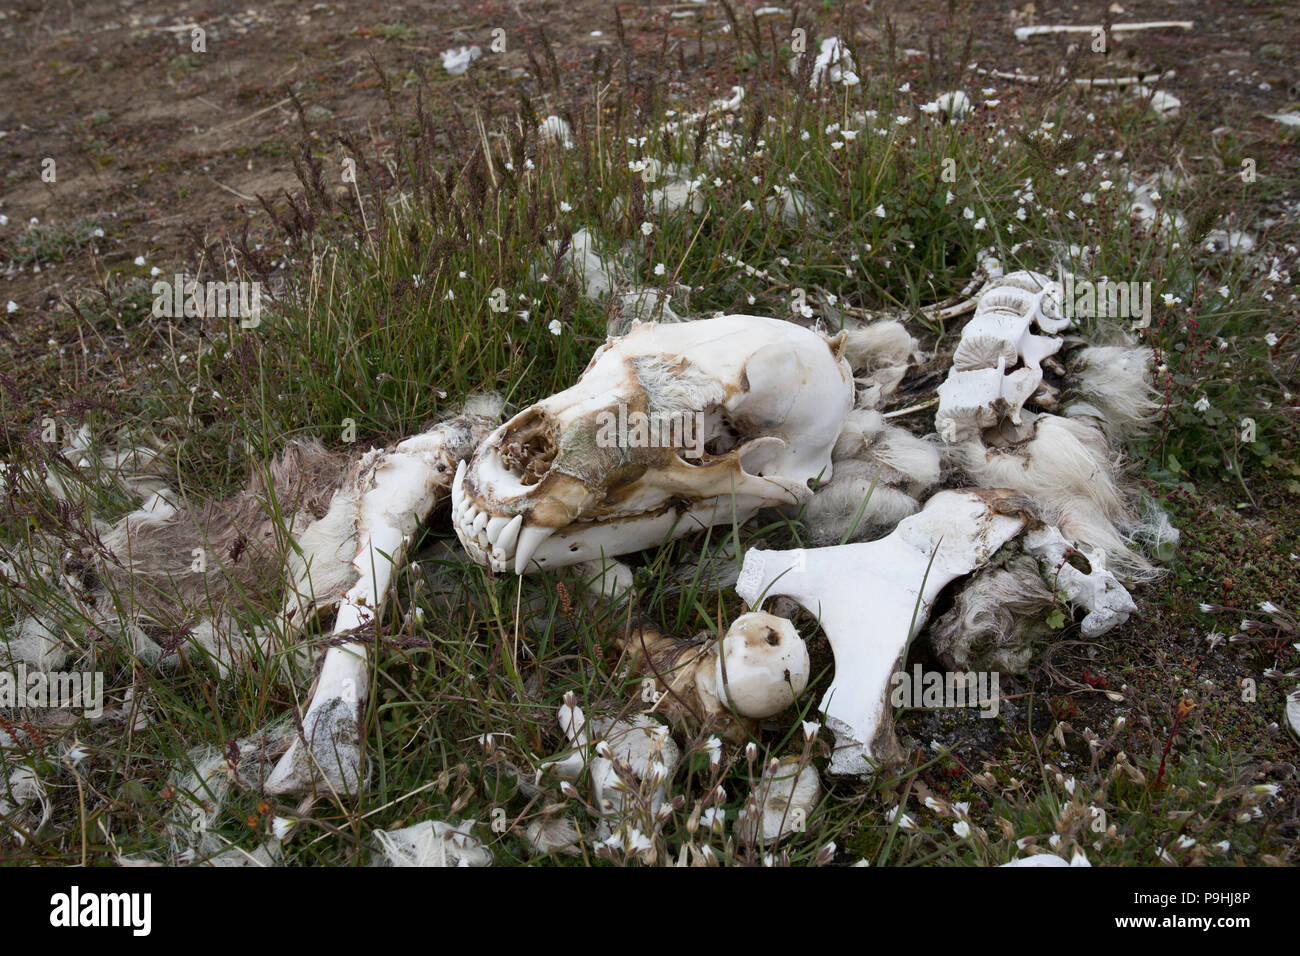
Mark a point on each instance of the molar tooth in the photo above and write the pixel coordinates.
(509, 536)
(494, 528)
(530, 539)
(480, 522)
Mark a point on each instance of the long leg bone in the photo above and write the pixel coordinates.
(873, 597)
(397, 490)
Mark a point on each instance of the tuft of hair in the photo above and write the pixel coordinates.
(174, 565)
(485, 405)
(871, 458)
(1155, 532)
(904, 458)
(35, 643)
(202, 783)
(837, 511)
(996, 615)
(598, 274)
(1068, 469)
(1112, 385)
(879, 354)
(431, 843)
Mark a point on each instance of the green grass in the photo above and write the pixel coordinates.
(387, 323)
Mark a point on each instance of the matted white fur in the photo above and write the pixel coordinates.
(885, 466)
(1069, 470)
(1113, 384)
(880, 355)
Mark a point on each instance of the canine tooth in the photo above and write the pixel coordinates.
(509, 536)
(494, 528)
(530, 539)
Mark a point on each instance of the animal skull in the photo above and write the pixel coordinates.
(671, 428)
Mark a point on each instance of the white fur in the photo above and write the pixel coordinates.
(1069, 470)
(1114, 386)
(870, 451)
(597, 274)
(37, 644)
(879, 355)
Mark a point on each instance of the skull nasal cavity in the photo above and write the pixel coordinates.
(528, 447)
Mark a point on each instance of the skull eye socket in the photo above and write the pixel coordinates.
(529, 448)
(720, 435)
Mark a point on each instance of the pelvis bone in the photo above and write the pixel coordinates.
(671, 428)
(873, 597)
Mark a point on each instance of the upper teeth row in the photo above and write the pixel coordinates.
(504, 541)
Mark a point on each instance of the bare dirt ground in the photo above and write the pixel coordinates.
(163, 143)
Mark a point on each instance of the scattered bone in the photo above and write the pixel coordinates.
(834, 64)
(1024, 33)
(892, 584)
(1164, 103)
(629, 762)
(1082, 82)
(457, 62)
(1229, 240)
(758, 669)
(1286, 119)
(731, 104)
(432, 843)
(781, 804)
(952, 106)
(792, 207)
(555, 129)
(1096, 590)
(1048, 859)
(1293, 711)
(1000, 328)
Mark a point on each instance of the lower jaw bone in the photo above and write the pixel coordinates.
(524, 548)
(872, 598)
